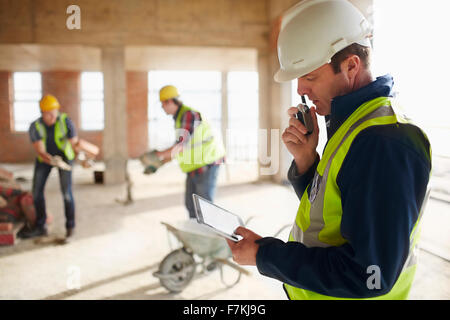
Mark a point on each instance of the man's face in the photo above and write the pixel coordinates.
(50, 117)
(321, 86)
(169, 106)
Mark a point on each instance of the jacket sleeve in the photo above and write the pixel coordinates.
(301, 182)
(381, 198)
(71, 131)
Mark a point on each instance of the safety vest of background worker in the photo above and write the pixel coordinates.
(48, 103)
(357, 225)
(320, 212)
(53, 136)
(198, 150)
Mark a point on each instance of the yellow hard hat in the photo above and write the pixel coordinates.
(168, 92)
(48, 103)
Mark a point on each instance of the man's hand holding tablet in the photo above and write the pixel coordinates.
(244, 251)
(241, 241)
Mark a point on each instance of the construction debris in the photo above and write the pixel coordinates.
(7, 180)
(6, 226)
(51, 240)
(3, 202)
(129, 196)
(7, 236)
(16, 206)
(6, 175)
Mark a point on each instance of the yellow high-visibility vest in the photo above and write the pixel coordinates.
(319, 215)
(61, 140)
(202, 148)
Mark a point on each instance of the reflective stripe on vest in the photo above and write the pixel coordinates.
(319, 215)
(202, 148)
(60, 135)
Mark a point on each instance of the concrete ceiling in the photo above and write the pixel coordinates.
(32, 57)
(235, 23)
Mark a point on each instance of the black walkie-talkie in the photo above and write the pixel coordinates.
(304, 115)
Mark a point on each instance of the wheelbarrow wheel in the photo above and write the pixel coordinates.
(176, 270)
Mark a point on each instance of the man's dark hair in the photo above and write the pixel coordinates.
(177, 102)
(362, 52)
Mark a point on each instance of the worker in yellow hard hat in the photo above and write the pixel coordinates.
(53, 134)
(198, 150)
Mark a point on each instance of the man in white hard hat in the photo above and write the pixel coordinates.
(361, 202)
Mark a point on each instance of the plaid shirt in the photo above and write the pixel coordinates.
(189, 121)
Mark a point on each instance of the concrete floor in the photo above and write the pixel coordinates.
(117, 248)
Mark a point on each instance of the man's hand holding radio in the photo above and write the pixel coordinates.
(300, 145)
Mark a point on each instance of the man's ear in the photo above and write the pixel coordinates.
(350, 67)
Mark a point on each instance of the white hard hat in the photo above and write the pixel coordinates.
(313, 31)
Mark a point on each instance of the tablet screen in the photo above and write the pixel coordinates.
(216, 217)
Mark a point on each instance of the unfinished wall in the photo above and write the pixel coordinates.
(13, 145)
(137, 113)
(65, 85)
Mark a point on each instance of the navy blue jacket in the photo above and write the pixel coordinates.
(383, 180)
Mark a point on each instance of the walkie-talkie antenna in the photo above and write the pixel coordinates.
(303, 100)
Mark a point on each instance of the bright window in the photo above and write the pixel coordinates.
(243, 116)
(27, 93)
(92, 103)
(410, 43)
(200, 90)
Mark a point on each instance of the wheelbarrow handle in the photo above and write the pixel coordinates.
(234, 266)
(281, 229)
(169, 227)
(248, 220)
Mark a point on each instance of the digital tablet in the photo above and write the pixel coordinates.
(219, 220)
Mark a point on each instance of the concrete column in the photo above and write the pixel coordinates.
(275, 99)
(6, 97)
(224, 118)
(115, 146)
(281, 101)
(264, 143)
(224, 96)
(137, 112)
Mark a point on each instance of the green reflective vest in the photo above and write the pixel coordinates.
(199, 150)
(319, 215)
(61, 140)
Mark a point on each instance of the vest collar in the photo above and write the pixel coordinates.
(41, 120)
(343, 106)
(175, 116)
